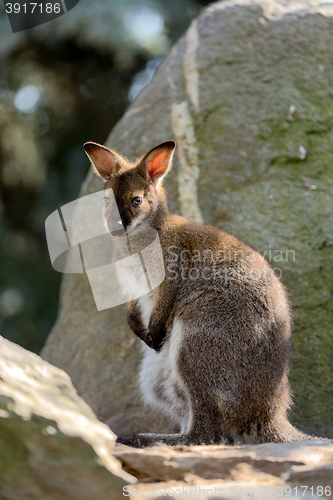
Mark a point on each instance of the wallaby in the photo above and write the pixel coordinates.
(216, 332)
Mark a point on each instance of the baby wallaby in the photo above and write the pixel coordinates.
(216, 332)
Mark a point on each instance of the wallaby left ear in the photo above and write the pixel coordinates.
(106, 162)
(157, 162)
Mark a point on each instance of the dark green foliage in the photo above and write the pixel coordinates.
(83, 66)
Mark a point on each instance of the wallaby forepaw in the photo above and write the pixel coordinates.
(157, 344)
(157, 333)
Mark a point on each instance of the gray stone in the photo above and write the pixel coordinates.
(297, 463)
(247, 94)
(266, 471)
(52, 446)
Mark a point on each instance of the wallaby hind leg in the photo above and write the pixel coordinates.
(205, 428)
(143, 440)
(204, 425)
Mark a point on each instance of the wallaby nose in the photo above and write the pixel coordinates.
(117, 229)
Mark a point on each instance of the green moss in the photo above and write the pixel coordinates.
(14, 455)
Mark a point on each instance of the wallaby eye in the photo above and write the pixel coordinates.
(106, 201)
(137, 201)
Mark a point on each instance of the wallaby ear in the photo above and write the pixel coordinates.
(105, 161)
(157, 162)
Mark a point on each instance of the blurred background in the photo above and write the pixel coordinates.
(61, 84)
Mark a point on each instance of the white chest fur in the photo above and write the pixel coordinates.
(146, 304)
(131, 277)
(133, 285)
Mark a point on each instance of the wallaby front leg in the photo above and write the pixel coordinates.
(136, 325)
(160, 315)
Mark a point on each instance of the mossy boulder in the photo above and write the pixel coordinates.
(247, 94)
(52, 445)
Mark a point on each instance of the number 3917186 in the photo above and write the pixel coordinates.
(31, 7)
(318, 491)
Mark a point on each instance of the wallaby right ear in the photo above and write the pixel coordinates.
(157, 162)
(105, 162)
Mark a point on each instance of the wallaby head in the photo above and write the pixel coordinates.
(137, 187)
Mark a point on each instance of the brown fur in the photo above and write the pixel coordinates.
(229, 381)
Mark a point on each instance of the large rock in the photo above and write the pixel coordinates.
(52, 446)
(247, 94)
(306, 463)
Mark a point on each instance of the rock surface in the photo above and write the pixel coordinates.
(52, 446)
(273, 463)
(270, 470)
(247, 95)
